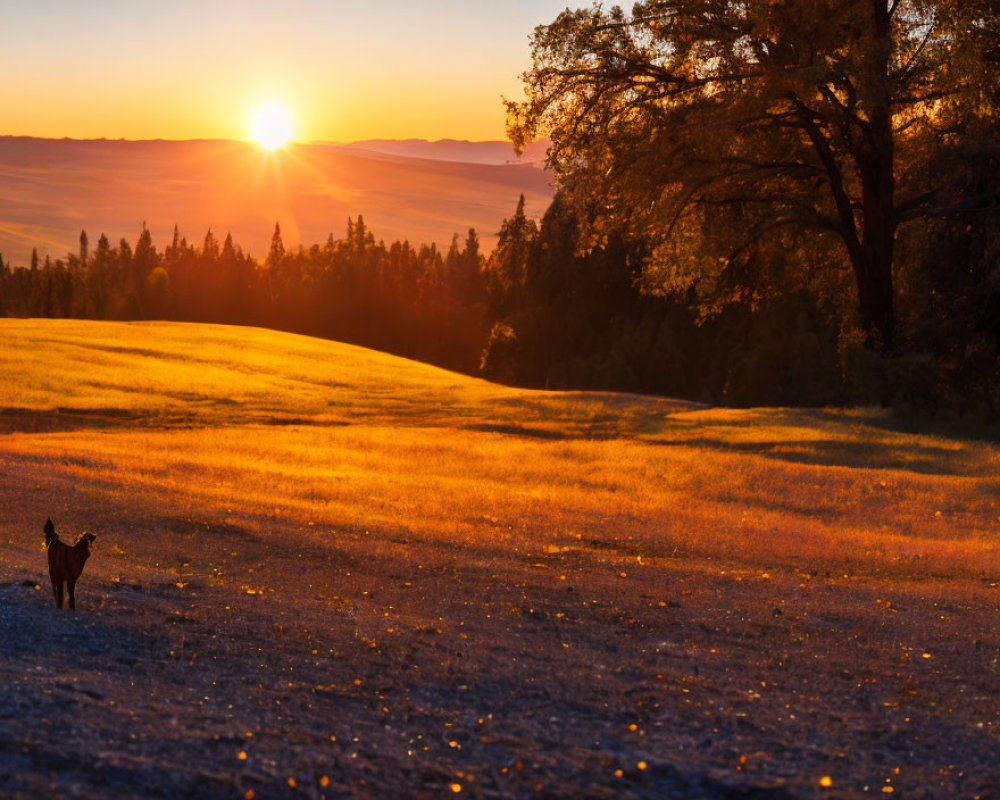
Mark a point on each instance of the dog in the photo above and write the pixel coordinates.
(66, 563)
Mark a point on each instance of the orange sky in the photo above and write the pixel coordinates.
(183, 70)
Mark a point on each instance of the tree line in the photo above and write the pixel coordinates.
(417, 302)
(549, 309)
(568, 314)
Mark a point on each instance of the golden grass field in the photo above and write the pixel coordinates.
(468, 547)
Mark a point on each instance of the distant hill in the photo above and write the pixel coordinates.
(421, 191)
(453, 150)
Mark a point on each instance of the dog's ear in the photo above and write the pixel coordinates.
(49, 527)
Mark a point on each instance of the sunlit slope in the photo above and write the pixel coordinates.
(276, 433)
(213, 373)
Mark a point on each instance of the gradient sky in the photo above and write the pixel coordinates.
(184, 69)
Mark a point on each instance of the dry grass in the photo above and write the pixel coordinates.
(548, 581)
(254, 423)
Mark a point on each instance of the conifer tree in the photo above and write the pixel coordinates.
(277, 252)
(210, 247)
(99, 276)
(508, 262)
(84, 248)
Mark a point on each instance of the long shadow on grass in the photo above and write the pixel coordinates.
(519, 430)
(838, 453)
(961, 429)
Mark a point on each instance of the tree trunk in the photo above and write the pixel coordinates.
(874, 260)
(874, 155)
(874, 280)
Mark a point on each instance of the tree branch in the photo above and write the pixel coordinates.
(848, 225)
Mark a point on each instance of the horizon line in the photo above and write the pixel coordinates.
(335, 142)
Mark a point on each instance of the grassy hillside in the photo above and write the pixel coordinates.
(337, 424)
(449, 578)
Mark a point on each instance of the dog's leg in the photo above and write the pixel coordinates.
(56, 593)
(59, 594)
(72, 595)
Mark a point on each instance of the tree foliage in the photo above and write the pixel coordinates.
(729, 134)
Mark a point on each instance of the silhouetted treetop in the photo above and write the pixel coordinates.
(277, 250)
(723, 131)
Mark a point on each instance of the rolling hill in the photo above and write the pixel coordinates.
(50, 190)
(327, 571)
(457, 150)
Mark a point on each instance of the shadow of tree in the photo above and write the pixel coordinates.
(911, 457)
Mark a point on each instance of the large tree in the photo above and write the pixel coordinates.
(717, 128)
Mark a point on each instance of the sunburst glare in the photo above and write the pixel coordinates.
(271, 125)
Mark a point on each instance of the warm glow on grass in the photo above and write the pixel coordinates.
(271, 125)
(486, 466)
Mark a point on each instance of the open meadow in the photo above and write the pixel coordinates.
(322, 571)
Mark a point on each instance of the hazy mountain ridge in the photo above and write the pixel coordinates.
(456, 150)
(424, 191)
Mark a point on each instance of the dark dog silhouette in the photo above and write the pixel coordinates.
(66, 563)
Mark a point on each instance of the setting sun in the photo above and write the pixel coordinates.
(271, 125)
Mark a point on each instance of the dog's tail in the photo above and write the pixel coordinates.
(50, 532)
